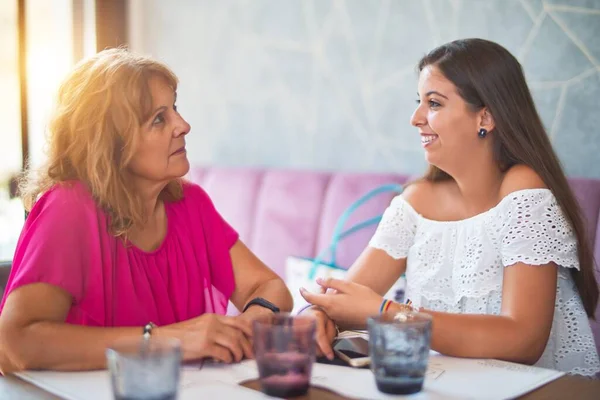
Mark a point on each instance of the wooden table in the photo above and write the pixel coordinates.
(566, 387)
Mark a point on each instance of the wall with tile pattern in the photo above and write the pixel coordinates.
(330, 84)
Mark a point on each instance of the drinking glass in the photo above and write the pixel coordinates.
(285, 349)
(144, 369)
(399, 346)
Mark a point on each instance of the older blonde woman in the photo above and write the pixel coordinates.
(117, 244)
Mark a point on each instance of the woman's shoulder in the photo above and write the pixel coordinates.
(70, 196)
(430, 199)
(522, 187)
(66, 206)
(194, 202)
(198, 206)
(420, 195)
(520, 177)
(436, 200)
(194, 193)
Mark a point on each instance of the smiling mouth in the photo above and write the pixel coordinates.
(427, 139)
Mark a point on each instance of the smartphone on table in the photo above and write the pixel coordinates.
(354, 351)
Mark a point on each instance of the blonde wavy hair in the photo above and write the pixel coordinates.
(93, 134)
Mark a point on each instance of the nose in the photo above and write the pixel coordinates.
(418, 117)
(182, 127)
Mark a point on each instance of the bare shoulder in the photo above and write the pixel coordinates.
(421, 195)
(417, 190)
(520, 177)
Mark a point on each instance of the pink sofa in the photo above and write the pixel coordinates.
(283, 212)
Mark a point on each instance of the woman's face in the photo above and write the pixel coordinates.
(448, 127)
(160, 155)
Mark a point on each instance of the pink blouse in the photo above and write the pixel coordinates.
(66, 243)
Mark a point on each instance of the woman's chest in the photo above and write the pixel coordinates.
(455, 257)
(133, 287)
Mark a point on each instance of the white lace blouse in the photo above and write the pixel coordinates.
(457, 266)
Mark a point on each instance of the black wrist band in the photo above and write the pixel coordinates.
(259, 301)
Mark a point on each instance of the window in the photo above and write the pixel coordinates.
(49, 59)
(11, 160)
(40, 41)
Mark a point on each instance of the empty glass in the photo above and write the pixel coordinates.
(144, 369)
(399, 349)
(285, 348)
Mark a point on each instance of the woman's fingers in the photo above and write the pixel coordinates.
(322, 338)
(230, 338)
(331, 331)
(316, 299)
(246, 346)
(238, 323)
(220, 353)
(339, 285)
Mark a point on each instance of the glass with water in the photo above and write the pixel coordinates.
(285, 351)
(144, 369)
(399, 346)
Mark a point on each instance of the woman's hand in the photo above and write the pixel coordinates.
(212, 336)
(326, 331)
(349, 305)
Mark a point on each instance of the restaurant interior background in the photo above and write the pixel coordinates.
(302, 84)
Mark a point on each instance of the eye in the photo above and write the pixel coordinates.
(418, 101)
(159, 119)
(434, 104)
(175, 107)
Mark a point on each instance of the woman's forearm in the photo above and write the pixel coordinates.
(479, 336)
(275, 291)
(59, 346)
(483, 336)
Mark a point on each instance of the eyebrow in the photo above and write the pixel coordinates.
(162, 108)
(433, 92)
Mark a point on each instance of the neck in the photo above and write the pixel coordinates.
(151, 205)
(479, 184)
(150, 195)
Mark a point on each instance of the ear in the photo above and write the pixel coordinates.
(486, 120)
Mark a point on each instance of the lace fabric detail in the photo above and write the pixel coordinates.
(458, 266)
(535, 231)
(572, 347)
(396, 231)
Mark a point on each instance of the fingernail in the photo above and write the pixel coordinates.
(319, 280)
(302, 290)
(330, 356)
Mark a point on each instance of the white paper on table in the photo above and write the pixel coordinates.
(194, 383)
(219, 390)
(446, 378)
(92, 385)
(353, 334)
(358, 384)
(484, 379)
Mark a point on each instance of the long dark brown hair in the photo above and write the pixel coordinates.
(487, 75)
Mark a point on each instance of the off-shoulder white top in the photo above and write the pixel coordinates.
(457, 266)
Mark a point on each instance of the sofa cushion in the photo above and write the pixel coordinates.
(280, 213)
(587, 192)
(343, 190)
